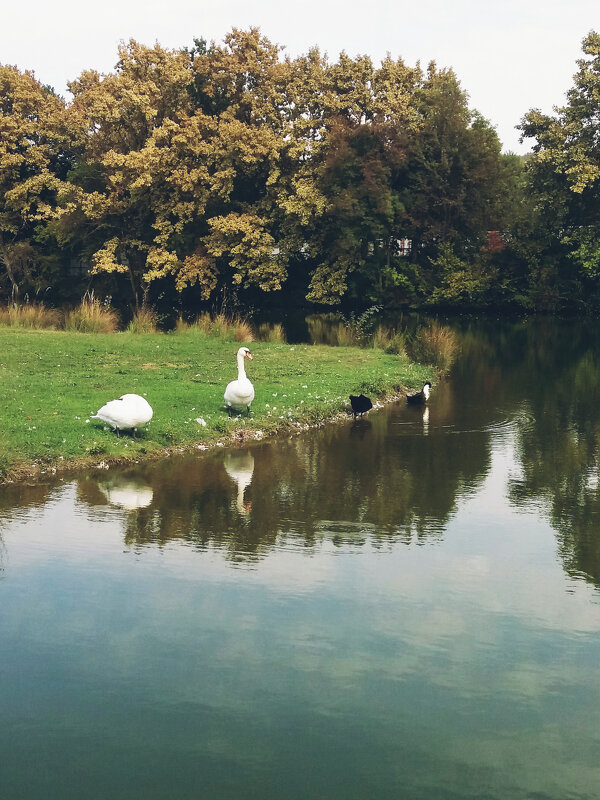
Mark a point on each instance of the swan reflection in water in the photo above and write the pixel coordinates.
(239, 465)
(122, 491)
(128, 495)
(426, 420)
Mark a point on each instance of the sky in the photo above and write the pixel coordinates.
(509, 55)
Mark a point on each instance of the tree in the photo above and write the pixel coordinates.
(35, 156)
(564, 176)
(231, 166)
(353, 149)
(179, 186)
(127, 117)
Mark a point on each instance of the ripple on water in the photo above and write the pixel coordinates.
(508, 423)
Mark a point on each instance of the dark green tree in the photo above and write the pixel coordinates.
(564, 178)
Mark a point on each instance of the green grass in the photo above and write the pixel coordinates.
(51, 382)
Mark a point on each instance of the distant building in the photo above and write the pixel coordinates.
(404, 246)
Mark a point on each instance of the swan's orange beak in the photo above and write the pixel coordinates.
(249, 355)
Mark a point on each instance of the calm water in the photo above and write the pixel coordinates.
(407, 606)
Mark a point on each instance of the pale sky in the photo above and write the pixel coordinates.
(509, 55)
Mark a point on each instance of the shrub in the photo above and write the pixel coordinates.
(30, 315)
(360, 326)
(91, 316)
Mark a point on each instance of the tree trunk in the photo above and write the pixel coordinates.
(134, 289)
(8, 265)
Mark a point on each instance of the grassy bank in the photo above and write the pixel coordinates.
(52, 381)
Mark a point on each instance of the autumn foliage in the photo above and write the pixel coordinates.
(231, 167)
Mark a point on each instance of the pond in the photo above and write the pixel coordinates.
(405, 605)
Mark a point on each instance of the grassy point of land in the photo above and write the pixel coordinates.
(51, 382)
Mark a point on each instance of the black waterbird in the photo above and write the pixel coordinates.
(360, 404)
(420, 397)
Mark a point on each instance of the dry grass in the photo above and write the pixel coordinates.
(389, 340)
(30, 315)
(435, 344)
(145, 320)
(271, 332)
(329, 329)
(243, 331)
(230, 327)
(91, 316)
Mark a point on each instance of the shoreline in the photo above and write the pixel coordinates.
(30, 473)
(52, 383)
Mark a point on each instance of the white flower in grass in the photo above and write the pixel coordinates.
(201, 421)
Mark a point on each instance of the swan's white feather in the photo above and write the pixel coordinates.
(129, 411)
(239, 394)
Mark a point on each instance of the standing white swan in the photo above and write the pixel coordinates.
(127, 413)
(240, 393)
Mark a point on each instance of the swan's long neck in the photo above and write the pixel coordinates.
(241, 370)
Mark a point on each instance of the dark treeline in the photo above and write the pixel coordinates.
(188, 175)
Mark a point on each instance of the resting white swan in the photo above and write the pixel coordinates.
(127, 413)
(240, 393)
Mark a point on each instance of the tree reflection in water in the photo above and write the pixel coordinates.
(560, 450)
(398, 475)
(544, 374)
(370, 480)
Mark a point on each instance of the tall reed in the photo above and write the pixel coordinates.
(145, 320)
(435, 344)
(389, 340)
(30, 315)
(270, 332)
(331, 330)
(231, 327)
(91, 316)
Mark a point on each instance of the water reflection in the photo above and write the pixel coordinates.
(398, 475)
(559, 449)
(426, 420)
(397, 617)
(239, 465)
(17, 497)
(129, 496)
(380, 475)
